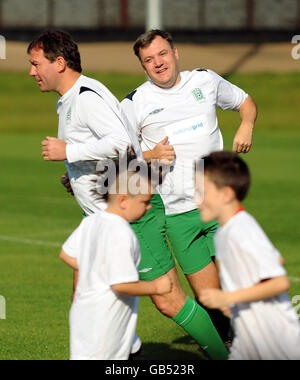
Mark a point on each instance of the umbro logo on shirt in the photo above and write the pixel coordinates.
(156, 111)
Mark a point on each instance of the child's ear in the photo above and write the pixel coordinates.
(229, 194)
(122, 200)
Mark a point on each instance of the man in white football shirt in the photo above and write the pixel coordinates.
(55, 65)
(90, 128)
(174, 114)
(88, 113)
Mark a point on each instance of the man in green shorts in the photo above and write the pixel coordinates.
(100, 132)
(174, 115)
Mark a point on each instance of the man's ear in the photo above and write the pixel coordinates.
(61, 64)
(176, 53)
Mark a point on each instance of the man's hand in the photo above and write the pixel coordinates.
(243, 139)
(65, 180)
(54, 149)
(162, 151)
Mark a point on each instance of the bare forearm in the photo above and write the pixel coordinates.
(264, 290)
(160, 286)
(243, 139)
(75, 283)
(139, 288)
(248, 112)
(68, 260)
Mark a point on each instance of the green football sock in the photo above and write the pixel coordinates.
(221, 323)
(197, 323)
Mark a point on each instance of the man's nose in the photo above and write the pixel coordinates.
(32, 71)
(158, 62)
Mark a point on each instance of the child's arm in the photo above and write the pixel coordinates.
(75, 282)
(215, 298)
(159, 286)
(68, 260)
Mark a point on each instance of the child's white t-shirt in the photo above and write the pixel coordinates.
(102, 322)
(264, 330)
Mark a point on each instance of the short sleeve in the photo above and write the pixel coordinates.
(123, 257)
(260, 258)
(71, 246)
(228, 95)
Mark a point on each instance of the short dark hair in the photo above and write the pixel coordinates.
(58, 43)
(111, 172)
(228, 169)
(145, 39)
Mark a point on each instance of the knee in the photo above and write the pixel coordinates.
(163, 305)
(167, 305)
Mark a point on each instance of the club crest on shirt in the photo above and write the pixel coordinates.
(198, 94)
(69, 116)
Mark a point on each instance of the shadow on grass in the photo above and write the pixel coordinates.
(164, 351)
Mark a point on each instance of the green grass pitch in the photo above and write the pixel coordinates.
(36, 214)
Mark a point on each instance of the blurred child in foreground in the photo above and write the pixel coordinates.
(254, 282)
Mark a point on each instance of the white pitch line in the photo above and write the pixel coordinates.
(294, 279)
(30, 241)
(58, 245)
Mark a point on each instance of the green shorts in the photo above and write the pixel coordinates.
(150, 230)
(192, 240)
(185, 235)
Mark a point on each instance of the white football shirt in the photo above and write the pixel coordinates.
(102, 322)
(91, 123)
(264, 330)
(186, 114)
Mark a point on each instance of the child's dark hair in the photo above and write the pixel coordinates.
(113, 175)
(228, 169)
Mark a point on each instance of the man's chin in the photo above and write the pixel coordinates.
(165, 85)
(43, 89)
(168, 83)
